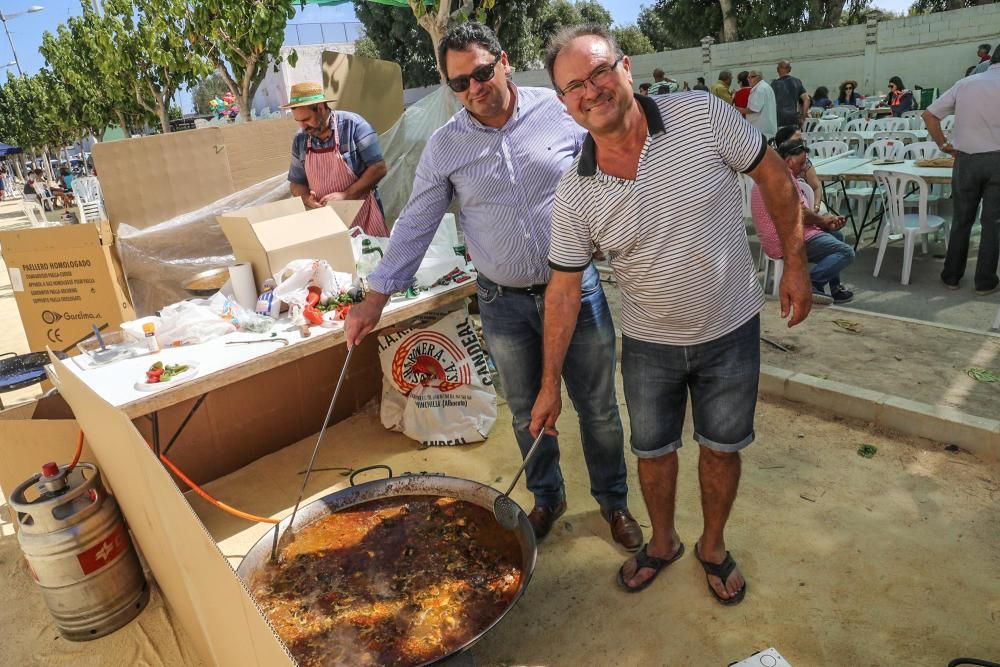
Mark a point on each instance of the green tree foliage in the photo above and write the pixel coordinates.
(239, 38)
(631, 40)
(396, 35)
(206, 90)
(929, 6)
(142, 47)
(366, 48)
(593, 12)
(677, 24)
(651, 25)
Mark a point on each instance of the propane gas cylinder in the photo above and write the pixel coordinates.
(79, 551)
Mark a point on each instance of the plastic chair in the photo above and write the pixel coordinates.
(996, 322)
(35, 213)
(920, 150)
(894, 186)
(89, 199)
(770, 264)
(882, 149)
(810, 125)
(746, 187)
(830, 125)
(904, 137)
(948, 123)
(842, 111)
(857, 125)
(889, 125)
(829, 148)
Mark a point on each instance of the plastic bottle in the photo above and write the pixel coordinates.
(368, 261)
(149, 329)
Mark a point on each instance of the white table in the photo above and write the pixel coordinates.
(850, 168)
(868, 136)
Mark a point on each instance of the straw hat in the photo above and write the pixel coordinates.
(304, 94)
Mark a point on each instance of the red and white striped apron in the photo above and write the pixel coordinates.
(327, 172)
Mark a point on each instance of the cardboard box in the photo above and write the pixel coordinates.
(183, 171)
(65, 280)
(369, 87)
(268, 237)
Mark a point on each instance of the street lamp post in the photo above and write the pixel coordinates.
(6, 17)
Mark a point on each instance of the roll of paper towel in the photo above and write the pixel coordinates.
(243, 284)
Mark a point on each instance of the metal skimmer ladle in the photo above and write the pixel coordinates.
(504, 509)
(289, 535)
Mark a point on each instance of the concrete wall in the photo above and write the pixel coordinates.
(930, 51)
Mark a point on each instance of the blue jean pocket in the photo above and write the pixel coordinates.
(487, 294)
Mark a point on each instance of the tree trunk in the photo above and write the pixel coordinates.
(729, 29)
(161, 112)
(834, 12)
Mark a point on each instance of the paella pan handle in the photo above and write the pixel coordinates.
(367, 468)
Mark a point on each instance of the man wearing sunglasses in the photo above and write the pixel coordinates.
(501, 157)
(655, 189)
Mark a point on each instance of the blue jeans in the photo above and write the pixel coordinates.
(512, 325)
(830, 255)
(722, 377)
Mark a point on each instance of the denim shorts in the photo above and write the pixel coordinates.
(722, 377)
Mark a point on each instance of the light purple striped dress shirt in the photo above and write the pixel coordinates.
(505, 181)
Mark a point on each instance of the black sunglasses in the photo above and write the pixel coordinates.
(482, 74)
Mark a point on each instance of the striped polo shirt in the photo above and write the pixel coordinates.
(504, 180)
(675, 235)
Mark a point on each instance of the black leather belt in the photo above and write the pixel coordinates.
(534, 290)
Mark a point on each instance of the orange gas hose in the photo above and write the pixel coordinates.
(218, 503)
(79, 450)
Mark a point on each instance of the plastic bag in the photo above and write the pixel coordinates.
(440, 258)
(191, 322)
(436, 384)
(305, 272)
(358, 237)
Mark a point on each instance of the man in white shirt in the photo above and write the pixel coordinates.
(975, 143)
(761, 111)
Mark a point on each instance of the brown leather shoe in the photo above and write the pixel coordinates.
(625, 529)
(542, 517)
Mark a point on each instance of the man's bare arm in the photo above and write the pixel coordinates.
(936, 132)
(303, 192)
(782, 201)
(367, 181)
(562, 306)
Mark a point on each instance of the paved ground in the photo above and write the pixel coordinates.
(12, 337)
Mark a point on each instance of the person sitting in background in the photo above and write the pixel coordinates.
(849, 94)
(808, 172)
(742, 96)
(701, 84)
(65, 190)
(721, 87)
(821, 98)
(662, 84)
(984, 60)
(899, 99)
(644, 89)
(825, 247)
(686, 87)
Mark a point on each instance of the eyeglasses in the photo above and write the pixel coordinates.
(598, 77)
(482, 74)
(848, 87)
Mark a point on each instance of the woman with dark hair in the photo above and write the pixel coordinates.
(849, 94)
(794, 133)
(821, 98)
(742, 96)
(899, 99)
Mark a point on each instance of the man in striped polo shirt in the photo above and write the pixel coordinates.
(655, 189)
(502, 157)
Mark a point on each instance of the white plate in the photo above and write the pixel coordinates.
(175, 380)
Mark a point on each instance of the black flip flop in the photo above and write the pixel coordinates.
(722, 571)
(642, 559)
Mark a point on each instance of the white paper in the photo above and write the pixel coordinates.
(243, 284)
(15, 279)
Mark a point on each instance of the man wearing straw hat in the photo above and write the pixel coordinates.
(336, 155)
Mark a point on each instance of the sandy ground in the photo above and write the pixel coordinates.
(921, 363)
(31, 639)
(916, 361)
